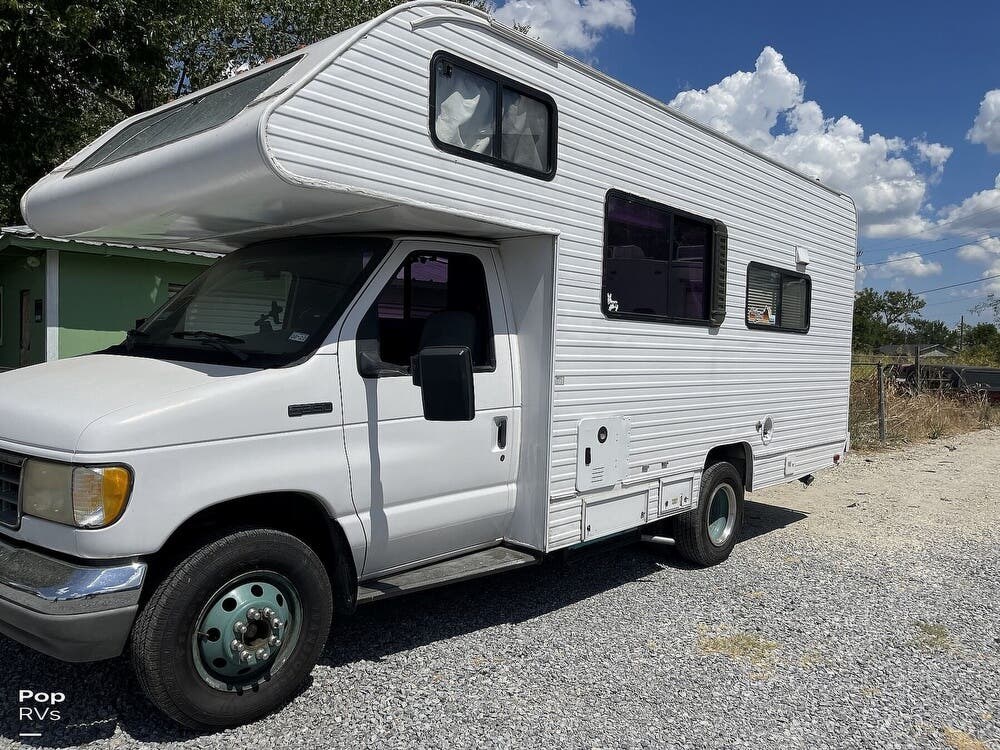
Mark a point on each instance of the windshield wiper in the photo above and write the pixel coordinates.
(219, 340)
(130, 337)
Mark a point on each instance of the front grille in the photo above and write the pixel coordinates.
(10, 485)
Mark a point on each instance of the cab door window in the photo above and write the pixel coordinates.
(426, 286)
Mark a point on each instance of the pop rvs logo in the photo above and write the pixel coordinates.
(39, 707)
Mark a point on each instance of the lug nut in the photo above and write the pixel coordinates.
(272, 641)
(253, 614)
(277, 642)
(275, 623)
(262, 654)
(239, 627)
(236, 645)
(268, 613)
(244, 656)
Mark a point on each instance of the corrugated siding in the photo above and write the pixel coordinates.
(364, 121)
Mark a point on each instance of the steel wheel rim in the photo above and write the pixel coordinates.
(246, 631)
(721, 515)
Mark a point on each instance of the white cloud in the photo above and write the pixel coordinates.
(911, 264)
(569, 24)
(986, 127)
(934, 154)
(987, 252)
(767, 110)
(978, 213)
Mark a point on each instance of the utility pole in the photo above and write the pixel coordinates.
(961, 335)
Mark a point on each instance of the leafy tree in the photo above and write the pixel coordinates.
(934, 332)
(70, 69)
(992, 302)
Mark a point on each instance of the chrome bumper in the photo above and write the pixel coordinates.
(72, 611)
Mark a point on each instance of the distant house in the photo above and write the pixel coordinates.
(60, 298)
(929, 351)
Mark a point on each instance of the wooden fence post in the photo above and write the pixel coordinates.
(881, 403)
(917, 363)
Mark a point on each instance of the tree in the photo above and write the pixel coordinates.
(70, 69)
(992, 302)
(934, 332)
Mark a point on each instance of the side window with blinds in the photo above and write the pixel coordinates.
(484, 116)
(778, 299)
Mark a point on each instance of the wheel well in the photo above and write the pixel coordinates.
(739, 455)
(298, 514)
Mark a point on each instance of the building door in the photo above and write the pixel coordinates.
(25, 336)
(425, 489)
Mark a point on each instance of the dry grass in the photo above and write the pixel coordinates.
(911, 417)
(933, 636)
(754, 649)
(959, 740)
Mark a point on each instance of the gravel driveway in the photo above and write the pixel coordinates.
(860, 612)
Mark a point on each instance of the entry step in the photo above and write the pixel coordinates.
(472, 565)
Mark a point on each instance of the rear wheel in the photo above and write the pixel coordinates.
(234, 629)
(707, 535)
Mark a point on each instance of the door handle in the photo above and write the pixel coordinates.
(501, 423)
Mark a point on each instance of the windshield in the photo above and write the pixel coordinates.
(266, 305)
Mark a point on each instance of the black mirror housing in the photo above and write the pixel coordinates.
(444, 375)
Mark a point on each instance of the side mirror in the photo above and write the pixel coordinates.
(444, 375)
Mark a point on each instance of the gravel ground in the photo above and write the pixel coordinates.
(860, 612)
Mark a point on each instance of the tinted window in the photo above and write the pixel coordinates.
(189, 118)
(423, 286)
(777, 298)
(470, 106)
(657, 261)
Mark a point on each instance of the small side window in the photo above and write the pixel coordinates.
(777, 299)
(482, 115)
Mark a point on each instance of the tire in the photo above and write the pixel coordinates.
(697, 541)
(172, 642)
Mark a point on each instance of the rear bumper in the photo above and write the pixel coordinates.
(72, 611)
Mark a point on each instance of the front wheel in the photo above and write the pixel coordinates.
(706, 536)
(234, 629)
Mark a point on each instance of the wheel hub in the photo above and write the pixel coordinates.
(243, 629)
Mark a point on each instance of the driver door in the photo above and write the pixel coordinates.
(426, 490)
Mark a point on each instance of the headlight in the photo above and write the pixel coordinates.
(90, 497)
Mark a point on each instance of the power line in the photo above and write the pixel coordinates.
(935, 228)
(958, 299)
(961, 283)
(924, 255)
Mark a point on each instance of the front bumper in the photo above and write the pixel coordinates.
(74, 612)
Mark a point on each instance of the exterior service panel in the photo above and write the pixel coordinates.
(363, 122)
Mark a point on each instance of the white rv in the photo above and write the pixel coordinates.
(480, 303)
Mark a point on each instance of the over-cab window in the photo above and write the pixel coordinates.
(188, 118)
(777, 298)
(662, 264)
(449, 288)
(481, 115)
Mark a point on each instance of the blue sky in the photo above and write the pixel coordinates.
(888, 101)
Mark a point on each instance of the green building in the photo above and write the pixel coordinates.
(60, 298)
